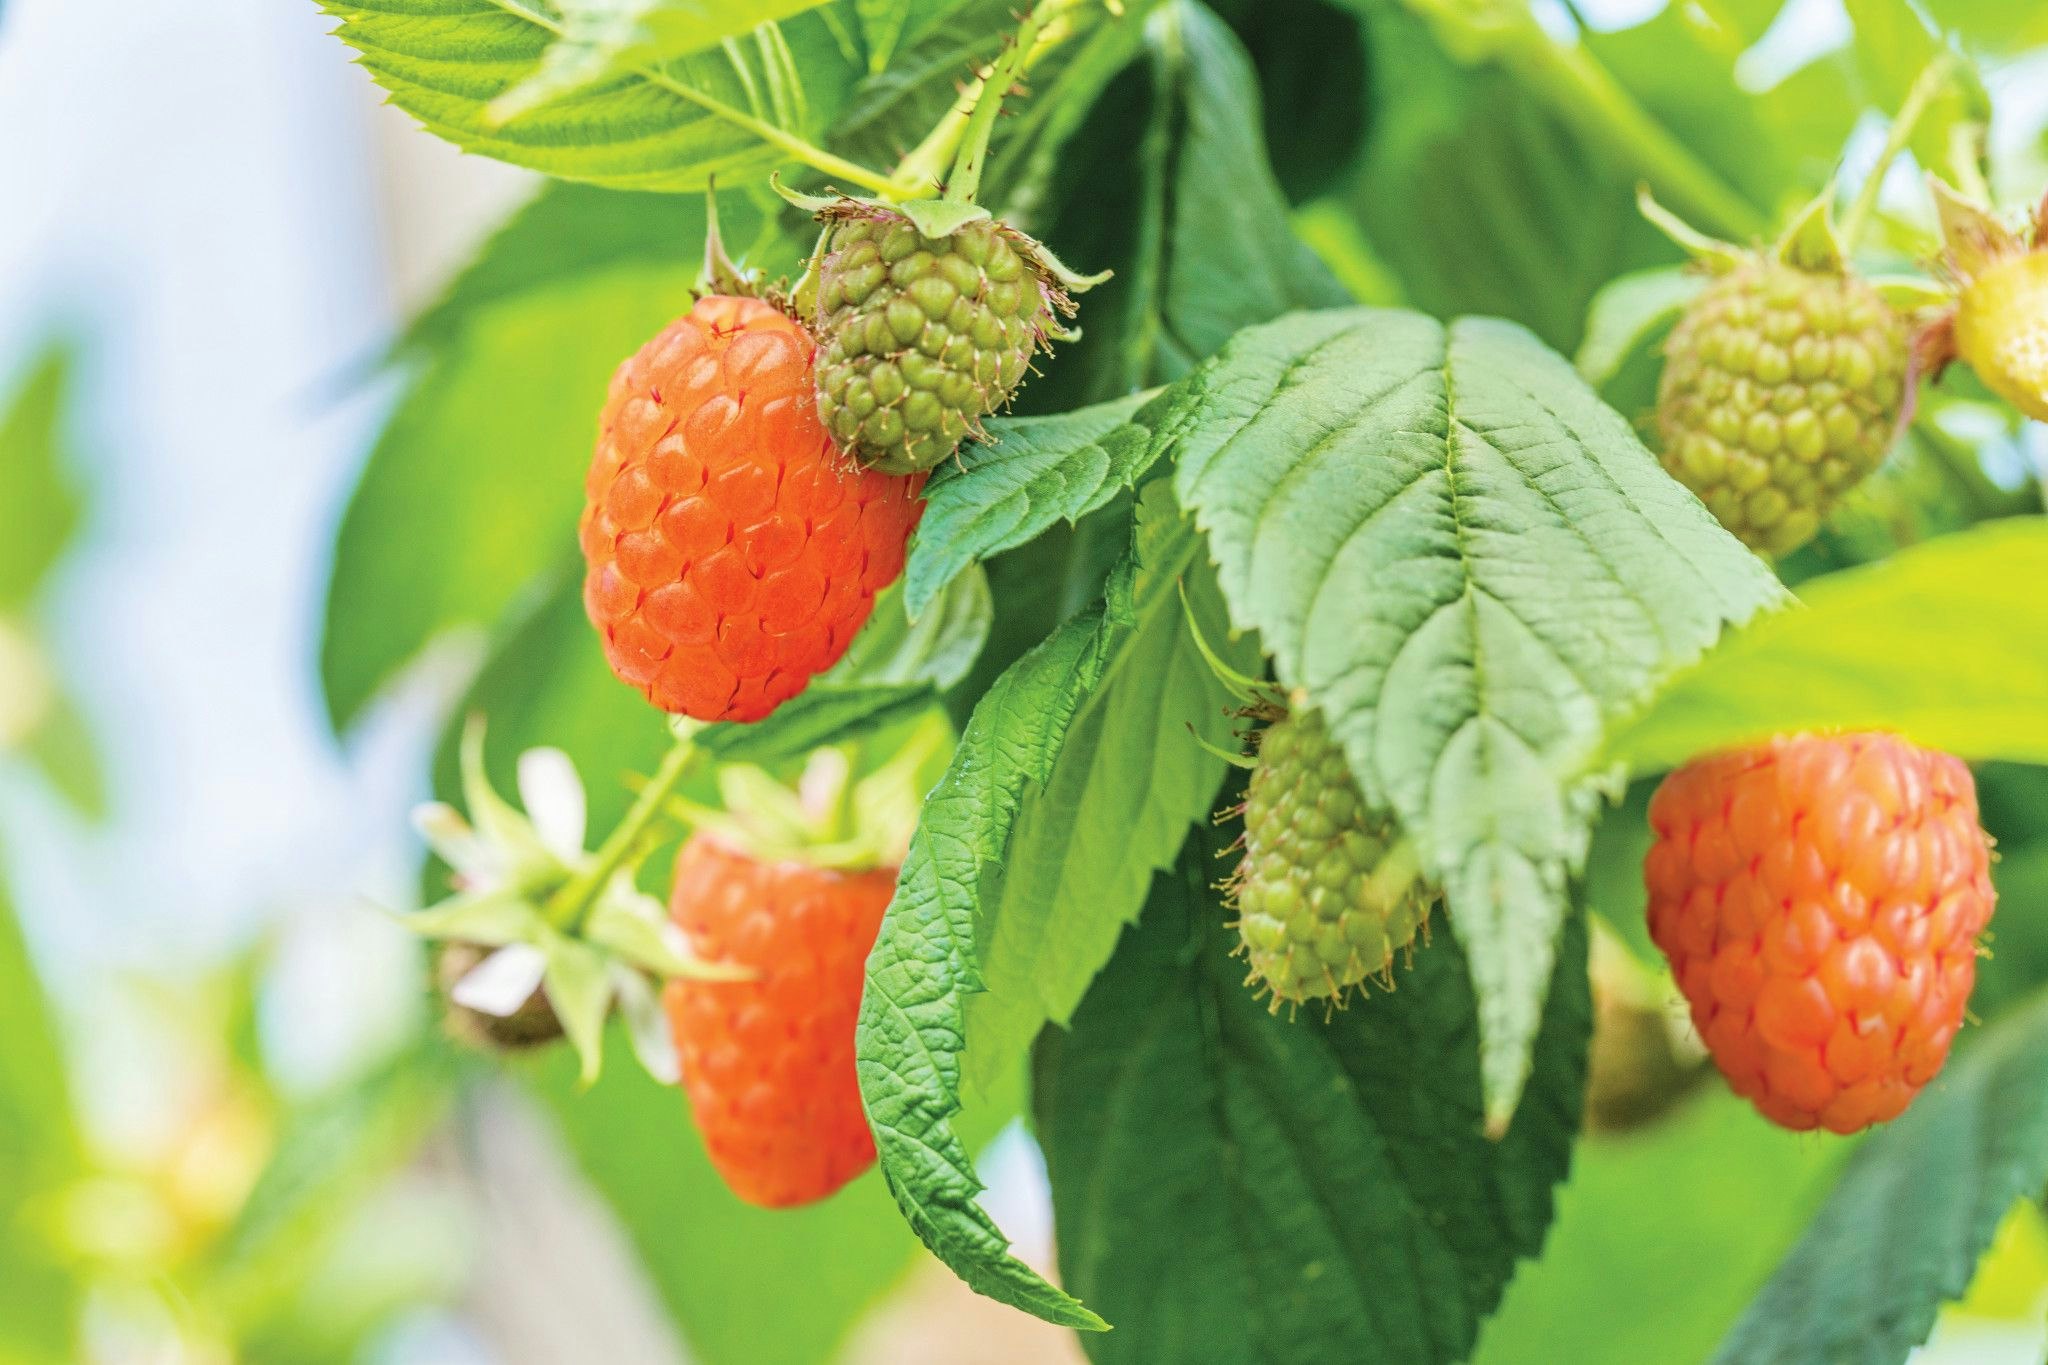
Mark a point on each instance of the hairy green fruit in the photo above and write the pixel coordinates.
(922, 336)
(1321, 903)
(2001, 330)
(1782, 389)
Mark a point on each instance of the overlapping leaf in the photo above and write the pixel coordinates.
(1033, 472)
(948, 932)
(1916, 1207)
(1230, 1184)
(661, 125)
(1942, 642)
(1471, 565)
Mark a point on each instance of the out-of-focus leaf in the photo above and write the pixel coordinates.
(1630, 314)
(745, 1286)
(473, 490)
(568, 232)
(1942, 643)
(62, 746)
(39, 1154)
(1232, 1184)
(330, 1153)
(1479, 200)
(1679, 1221)
(1917, 1205)
(1312, 76)
(39, 504)
(1169, 184)
(1471, 566)
(1893, 46)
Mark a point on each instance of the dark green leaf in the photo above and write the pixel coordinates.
(1232, 1184)
(1914, 1210)
(927, 962)
(1472, 566)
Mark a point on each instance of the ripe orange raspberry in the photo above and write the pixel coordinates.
(768, 1062)
(1820, 898)
(732, 550)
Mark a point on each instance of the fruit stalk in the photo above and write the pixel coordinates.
(1925, 87)
(921, 170)
(568, 907)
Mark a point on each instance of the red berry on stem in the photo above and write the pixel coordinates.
(732, 551)
(768, 1062)
(1820, 898)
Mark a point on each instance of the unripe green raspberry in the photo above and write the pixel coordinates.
(2001, 329)
(1782, 389)
(1314, 917)
(921, 337)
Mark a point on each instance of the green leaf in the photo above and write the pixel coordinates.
(1034, 471)
(1470, 565)
(1139, 765)
(1730, 1194)
(809, 1273)
(1941, 643)
(1479, 199)
(1893, 46)
(571, 232)
(473, 489)
(926, 963)
(669, 125)
(40, 1153)
(1169, 184)
(1629, 316)
(601, 39)
(1916, 1207)
(1232, 1184)
(61, 744)
(39, 504)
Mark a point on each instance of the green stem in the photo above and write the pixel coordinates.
(923, 168)
(1582, 91)
(1925, 87)
(570, 906)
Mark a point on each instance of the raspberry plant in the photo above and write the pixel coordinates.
(1388, 401)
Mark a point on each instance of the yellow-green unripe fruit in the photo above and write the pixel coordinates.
(1782, 389)
(2002, 330)
(1314, 918)
(921, 337)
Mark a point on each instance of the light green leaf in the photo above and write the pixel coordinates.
(472, 492)
(40, 1153)
(600, 39)
(638, 1148)
(1231, 1184)
(1731, 1194)
(1471, 566)
(39, 503)
(580, 990)
(1033, 472)
(1629, 315)
(1138, 767)
(1916, 1207)
(1942, 643)
(574, 232)
(657, 126)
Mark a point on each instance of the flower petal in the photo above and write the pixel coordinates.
(502, 982)
(553, 796)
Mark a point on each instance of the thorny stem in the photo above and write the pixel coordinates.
(1925, 87)
(570, 906)
(1585, 93)
(924, 166)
